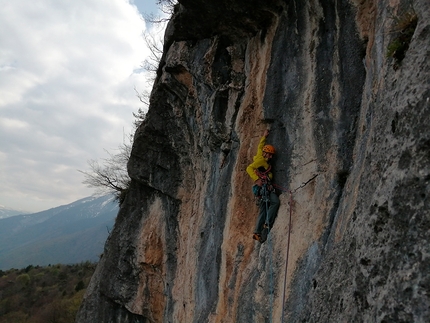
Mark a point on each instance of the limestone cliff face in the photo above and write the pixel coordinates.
(352, 132)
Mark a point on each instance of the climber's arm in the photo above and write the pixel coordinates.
(251, 171)
(258, 158)
(260, 146)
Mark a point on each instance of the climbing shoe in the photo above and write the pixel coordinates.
(256, 236)
(260, 237)
(264, 234)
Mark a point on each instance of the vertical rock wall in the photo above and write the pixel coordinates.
(351, 128)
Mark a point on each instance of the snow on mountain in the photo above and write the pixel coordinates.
(6, 212)
(66, 234)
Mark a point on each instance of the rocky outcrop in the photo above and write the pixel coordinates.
(351, 128)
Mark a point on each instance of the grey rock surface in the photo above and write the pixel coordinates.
(352, 132)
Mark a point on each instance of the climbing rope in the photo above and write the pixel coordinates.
(289, 235)
(265, 196)
(286, 257)
(267, 223)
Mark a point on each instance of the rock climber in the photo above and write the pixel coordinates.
(260, 173)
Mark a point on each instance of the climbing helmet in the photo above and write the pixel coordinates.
(269, 149)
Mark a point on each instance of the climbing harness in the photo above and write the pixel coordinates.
(258, 191)
(263, 174)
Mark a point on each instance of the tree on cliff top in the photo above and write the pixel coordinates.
(110, 176)
(167, 7)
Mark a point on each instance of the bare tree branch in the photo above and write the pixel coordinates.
(110, 175)
(155, 46)
(155, 43)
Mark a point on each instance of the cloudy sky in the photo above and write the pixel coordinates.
(68, 70)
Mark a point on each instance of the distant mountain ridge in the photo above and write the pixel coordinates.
(6, 212)
(66, 234)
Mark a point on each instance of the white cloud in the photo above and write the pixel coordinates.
(68, 70)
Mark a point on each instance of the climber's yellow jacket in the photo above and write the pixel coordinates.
(259, 161)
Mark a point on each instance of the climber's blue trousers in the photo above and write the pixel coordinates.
(268, 211)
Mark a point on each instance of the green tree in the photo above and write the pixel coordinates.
(23, 279)
(79, 286)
